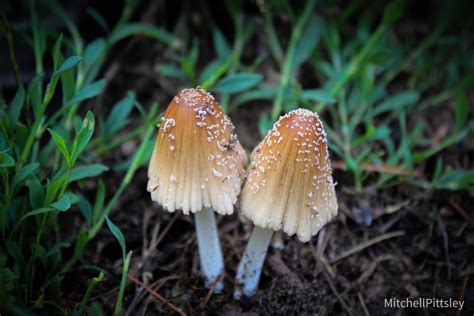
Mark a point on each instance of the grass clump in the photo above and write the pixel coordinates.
(47, 155)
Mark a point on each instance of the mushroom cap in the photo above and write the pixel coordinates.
(289, 184)
(197, 160)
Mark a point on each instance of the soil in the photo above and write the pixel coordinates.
(418, 244)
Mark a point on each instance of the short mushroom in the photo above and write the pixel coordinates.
(289, 187)
(197, 166)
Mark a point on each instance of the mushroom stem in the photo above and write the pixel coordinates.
(210, 253)
(250, 266)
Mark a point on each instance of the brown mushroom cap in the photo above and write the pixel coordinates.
(289, 184)
(197, 160)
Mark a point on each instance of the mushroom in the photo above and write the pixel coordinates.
(197, 166)
(289, 187)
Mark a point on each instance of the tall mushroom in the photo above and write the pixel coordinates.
(289, 187)
(197, 166)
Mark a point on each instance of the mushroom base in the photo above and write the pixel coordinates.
(250, 267)
(210, 253)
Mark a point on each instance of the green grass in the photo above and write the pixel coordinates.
(359, 90)
(373, 89)
(44, 158)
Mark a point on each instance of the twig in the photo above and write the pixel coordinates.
(281, 268)
(155, 285)
(333, 288)
(108, 293)
(462, 211)
(444, 234)
(463, 290)
(362, 302)
(212, 289)
(318, 254)
(366, 244)
(377, 168)
(232, 246)
(167, 228)
(157, 296)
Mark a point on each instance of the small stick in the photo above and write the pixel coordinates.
(232, 246)
(366, 244)
(362, 302)
(444, 234)
(339, 297)
(167, 228)
(377, 168)
(463, 290)
(461, 211)
(157, 296)
(212, 289)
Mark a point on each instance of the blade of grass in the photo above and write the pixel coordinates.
(92, 285)
(123, 283)
(289, 58)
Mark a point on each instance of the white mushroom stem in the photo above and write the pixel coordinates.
(210, 253)
(250, 266)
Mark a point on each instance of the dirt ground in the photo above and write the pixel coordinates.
(418, 243)
(395, 243)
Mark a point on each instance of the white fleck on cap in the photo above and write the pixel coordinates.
(289, 184)
(197, 160)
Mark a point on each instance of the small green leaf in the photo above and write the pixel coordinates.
(263, 93)
(6, 160)
(188, 62)
(238, 82)
(85, 208)
(56, 248)
(210, 70)
(128, 29)
(23, 174)
(63, 204)
(397, 102)
(83, 136)
(448, 141)
(68, 85)
(82, 172)
(456, 180)
(170, 71)
(144, 158)
(307, 42)
(36, 193)
(38, 211)
(87, 92)
(318, 95)
(57, 55)
(264, 125)
(61, 144)
(16, 106)
(52, 189)
(118, 117)
(34, 93)
(68, 64)
(392, 12)
(118, 234)
(14, 250)
(220, 44)
(93, 52)
(99, 201)
(462, 109)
